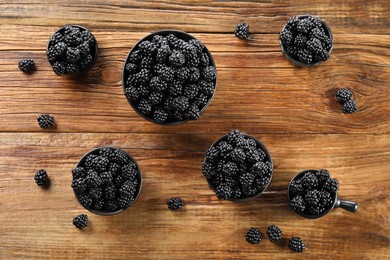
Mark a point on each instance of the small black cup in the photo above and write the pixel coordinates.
(267, 158)
(138, 191)
(181, 35)
(337, 202)
(297, 63)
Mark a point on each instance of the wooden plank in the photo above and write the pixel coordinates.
(37, 223)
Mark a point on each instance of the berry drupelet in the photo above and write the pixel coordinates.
(175, 203)
(242, 30)
(45, 121)
(81, 221)
(253, 235)
(41, 177)
(296, 244)
(274, 233)
(26, 65)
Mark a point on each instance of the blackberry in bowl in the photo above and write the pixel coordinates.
(306, 41)
(169, 77)
(106, 181)
(313, 194)
(72, 50)
(238, 167)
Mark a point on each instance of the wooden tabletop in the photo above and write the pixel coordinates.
(292, 111)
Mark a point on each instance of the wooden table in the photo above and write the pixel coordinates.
(293, 111)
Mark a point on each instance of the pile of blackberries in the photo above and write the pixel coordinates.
(306, 39)
(168, 79)
(237, 167)
(106, 180)
(71, 50)
(313, 193)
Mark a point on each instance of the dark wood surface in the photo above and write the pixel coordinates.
(292, 111)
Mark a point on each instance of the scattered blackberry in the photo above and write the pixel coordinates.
(296, 244)
(26, 65)
(175, 203)
(298, 203)
(253, 235)
(224, 192)
(45, 121)
(313, 197)
(242, 30)
(81, 221)
(41, 177)
(350, 107)
(274, 233)
(343, 95)
(331, 185)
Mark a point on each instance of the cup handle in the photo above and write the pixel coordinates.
(347, 205)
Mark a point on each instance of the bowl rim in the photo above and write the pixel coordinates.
(150, 37)
(296, 62)
(139, 187)
(95, 53)
(268, 156)
(289, 197)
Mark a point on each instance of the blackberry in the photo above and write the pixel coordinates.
(157, 84)
(274, 233)
(106, 177)
(198, 45)
(98, 205)
(322, 176)
(41, 177)
(131, 68)
(253, 235)
(242, 30)
(26, 65)
(72, 55)
(159, 41)
(163, 53)
(343, 95)
(59, 68)
(325, 198)
(155, 98)
(292, 51)
(129, 172)
(132, 94)
(111, 205)
(190, 91)
(143, 76)
(166, 73)
(135, 56)
(204, 60)
(88, 161)
(326, 43)
(261, 182)
(93, 179)
(236, 193)
(260, 169)
(296, 244)
(350, 107)
(73, 39)
(286, 37)
(304, 56)
(85, 200)
(229, 169)
(194, 74)
(160, 115)
(168, 105)
(300, 41)
(119, 180)
(217, 180)
(114, 168)
(224, 191)
(313, 197)
(304, 26)
(317, 33)
(331, 185)
(298, 203)
(235, 137)
(225, 148)
(177, 59)
(238, 155)
(315, 22)
(176, 88)
(144, 107)
(78, 172)
(180, 103)
(78, 185)
(251, 143)
(45, 121)
(314, 45)
(147, 63)
(81, 221)
(110, 192)
(127, 189)
(100, 163)
(120, 157)
(193, 112)
(72, 69)
(252, 155)
(208, 170)
(125, 202)
(201, 100)
(206, 88)
(292, 23)
(56, 38)
(84, 49)
(87, 37)
(86, 62)
(309, 180)
(95, 193)
(247, 179)
(322, 55)
(147, 47)
(175, 203)
(172, 39)
(296, 187)
(316, 209)
(209, 73)
(56, 51)
(183, 74)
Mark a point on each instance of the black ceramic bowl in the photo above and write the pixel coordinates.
(137, 193)
(297, 63)
(337, 202)
(267, 158)
(181, 35)
(94, 54)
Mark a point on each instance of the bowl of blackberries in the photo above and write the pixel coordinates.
(106, 181)
(313, 194)
(306, 40)
(169, 77)
(238, 167)
(72, 50)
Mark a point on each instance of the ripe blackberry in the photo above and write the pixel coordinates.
(206, 88)
(85, 200)
(111, 205)
(325, 198)
(127, 189)
(56, 38)
(86, 62)
(26, 65)
(304, 56)
(114, 168)
(317, 33)
(296, 244)
(84, 49)
(350, 107)
(304, 26)
(93, 179)
(331, 185)
(72, 55)
(163, 53)
(147, 63)
(261, 182)
(252, 155)
(326, 43)
(143, 76)
(313, 197)
(144, 107)
(131, 68)
(177, 59)
(309, 181)
(292, 51)
(81, 221)
(247, 179)
(45, 121)
(343, 95)
(296, 187)
(106, 177)
(87, 37)
(260, 169)
(194, 74)
(88, 161)
(100, 163)
(242, 30)
(253, 235)
(192, 112)
(212, 154)
(235, 137)
(159, 41)
(198, 45)
(225, 148)
(157, 84)
(78, 185)
(160, 115)
(125, 202)
(166, 73)
(322, 176)
(286, 37)
(224, 191)
(229, 169)
(314, 45)
(41, 177)
(316, 209)
(204, 60)
(56, 51)
(110, 192)
(300, 41)
(132, 94)
(180, 103)
(236, 194)
(298, 203)
(175, 203)
(79, 172)
(155, 98)
(98, 205)
(292, 23)
(217, 179)
(72, 69)
(208, 170)
(274, 233)
(73, 39)
(201, 100)
(175, 88)
(147, 47)
(118, 180)
(322, 55)
(95, 193)
(190, 91)
(120, 157)
(209, 73)
(59, 68)
(135, 57)
(129, 172)
(238, 155)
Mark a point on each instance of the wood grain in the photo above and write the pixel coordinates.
(293, 111)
